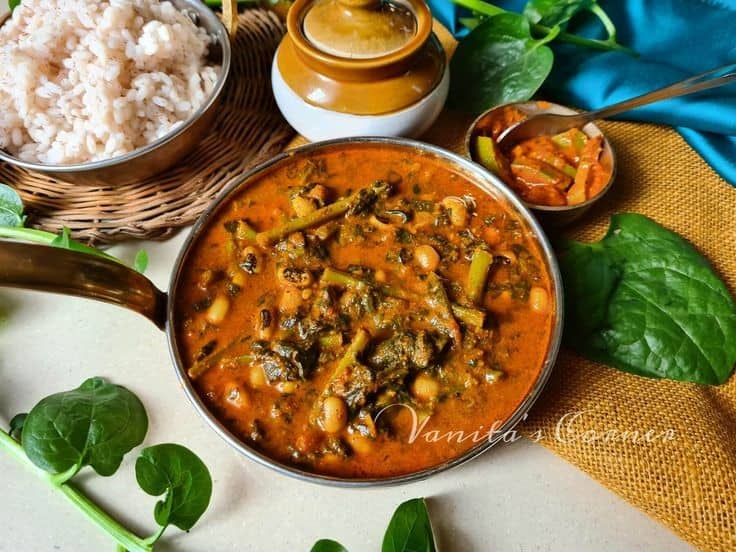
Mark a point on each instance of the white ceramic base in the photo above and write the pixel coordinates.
(316, 123)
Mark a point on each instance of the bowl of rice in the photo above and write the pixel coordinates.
(107, 92)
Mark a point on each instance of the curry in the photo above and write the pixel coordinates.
(564, 169)
(363, 312)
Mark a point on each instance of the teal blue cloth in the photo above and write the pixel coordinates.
(675, 39)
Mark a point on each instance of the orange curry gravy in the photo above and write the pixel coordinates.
(298, 340)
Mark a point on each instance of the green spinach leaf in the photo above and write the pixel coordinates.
(555, 12)
(16, 425)
(95, 424)
(560, 12)
(12, 4)
(328, 545)
(410, 529)
(645, 301)
(11, 207)
(499, 62)
(180, 474)
(63, 240)
(140, 263)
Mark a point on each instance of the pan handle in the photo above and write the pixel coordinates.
(43, 268)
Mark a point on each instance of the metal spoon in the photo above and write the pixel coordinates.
(550, 123)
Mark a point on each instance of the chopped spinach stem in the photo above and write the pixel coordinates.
(335, 277)
(441, 302)
(480, 266)
(48, 238)
(357, 346)
(202, 365)
(330, 341)
(320, 216)
(316, 218)
(244, 231)
(470, 317)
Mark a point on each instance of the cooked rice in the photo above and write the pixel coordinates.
(83, 80)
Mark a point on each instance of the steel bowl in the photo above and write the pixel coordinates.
(551, 216)
(72, 273)
(166, 151)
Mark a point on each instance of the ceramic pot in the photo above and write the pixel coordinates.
(360, 67)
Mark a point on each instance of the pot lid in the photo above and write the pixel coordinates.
(359, 29)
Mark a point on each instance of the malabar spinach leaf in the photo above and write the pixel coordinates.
(560, 12)
(95, 424)
(16, 425)
(140, 263)
(645, 301)
(499, 62)
(410, 529)
(178, 473)
(11, 207)
(555, 12)
(328, 545)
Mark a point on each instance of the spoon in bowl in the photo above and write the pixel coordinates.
(550, 123)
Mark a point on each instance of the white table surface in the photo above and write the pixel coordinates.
(517, 497)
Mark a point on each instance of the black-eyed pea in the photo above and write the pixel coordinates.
(423, 218)
(251, 260)
(320, 193)
(334, 414)
(503, 302)
(539, 300)
(457, 209)
(239, 278)
(303, 205)
(286, 387)
(425, 388)
(205, 278)
(297, 239)
(427, 257)
(492, 235)
(265, 324)
(256, 376)
(307, 442)
(509, 255)
(236, 395)
(330, 459)
(291, 299)
(359, 443)
(217, 311)
(289, 276)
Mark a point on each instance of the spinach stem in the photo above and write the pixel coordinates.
(153, 539)
(605, 20)
(606, 45)
(125, 538)
(47, 238)
(63, 477)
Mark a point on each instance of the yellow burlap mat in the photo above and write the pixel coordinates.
(668, 448)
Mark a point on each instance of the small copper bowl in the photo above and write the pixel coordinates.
(551, 216)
